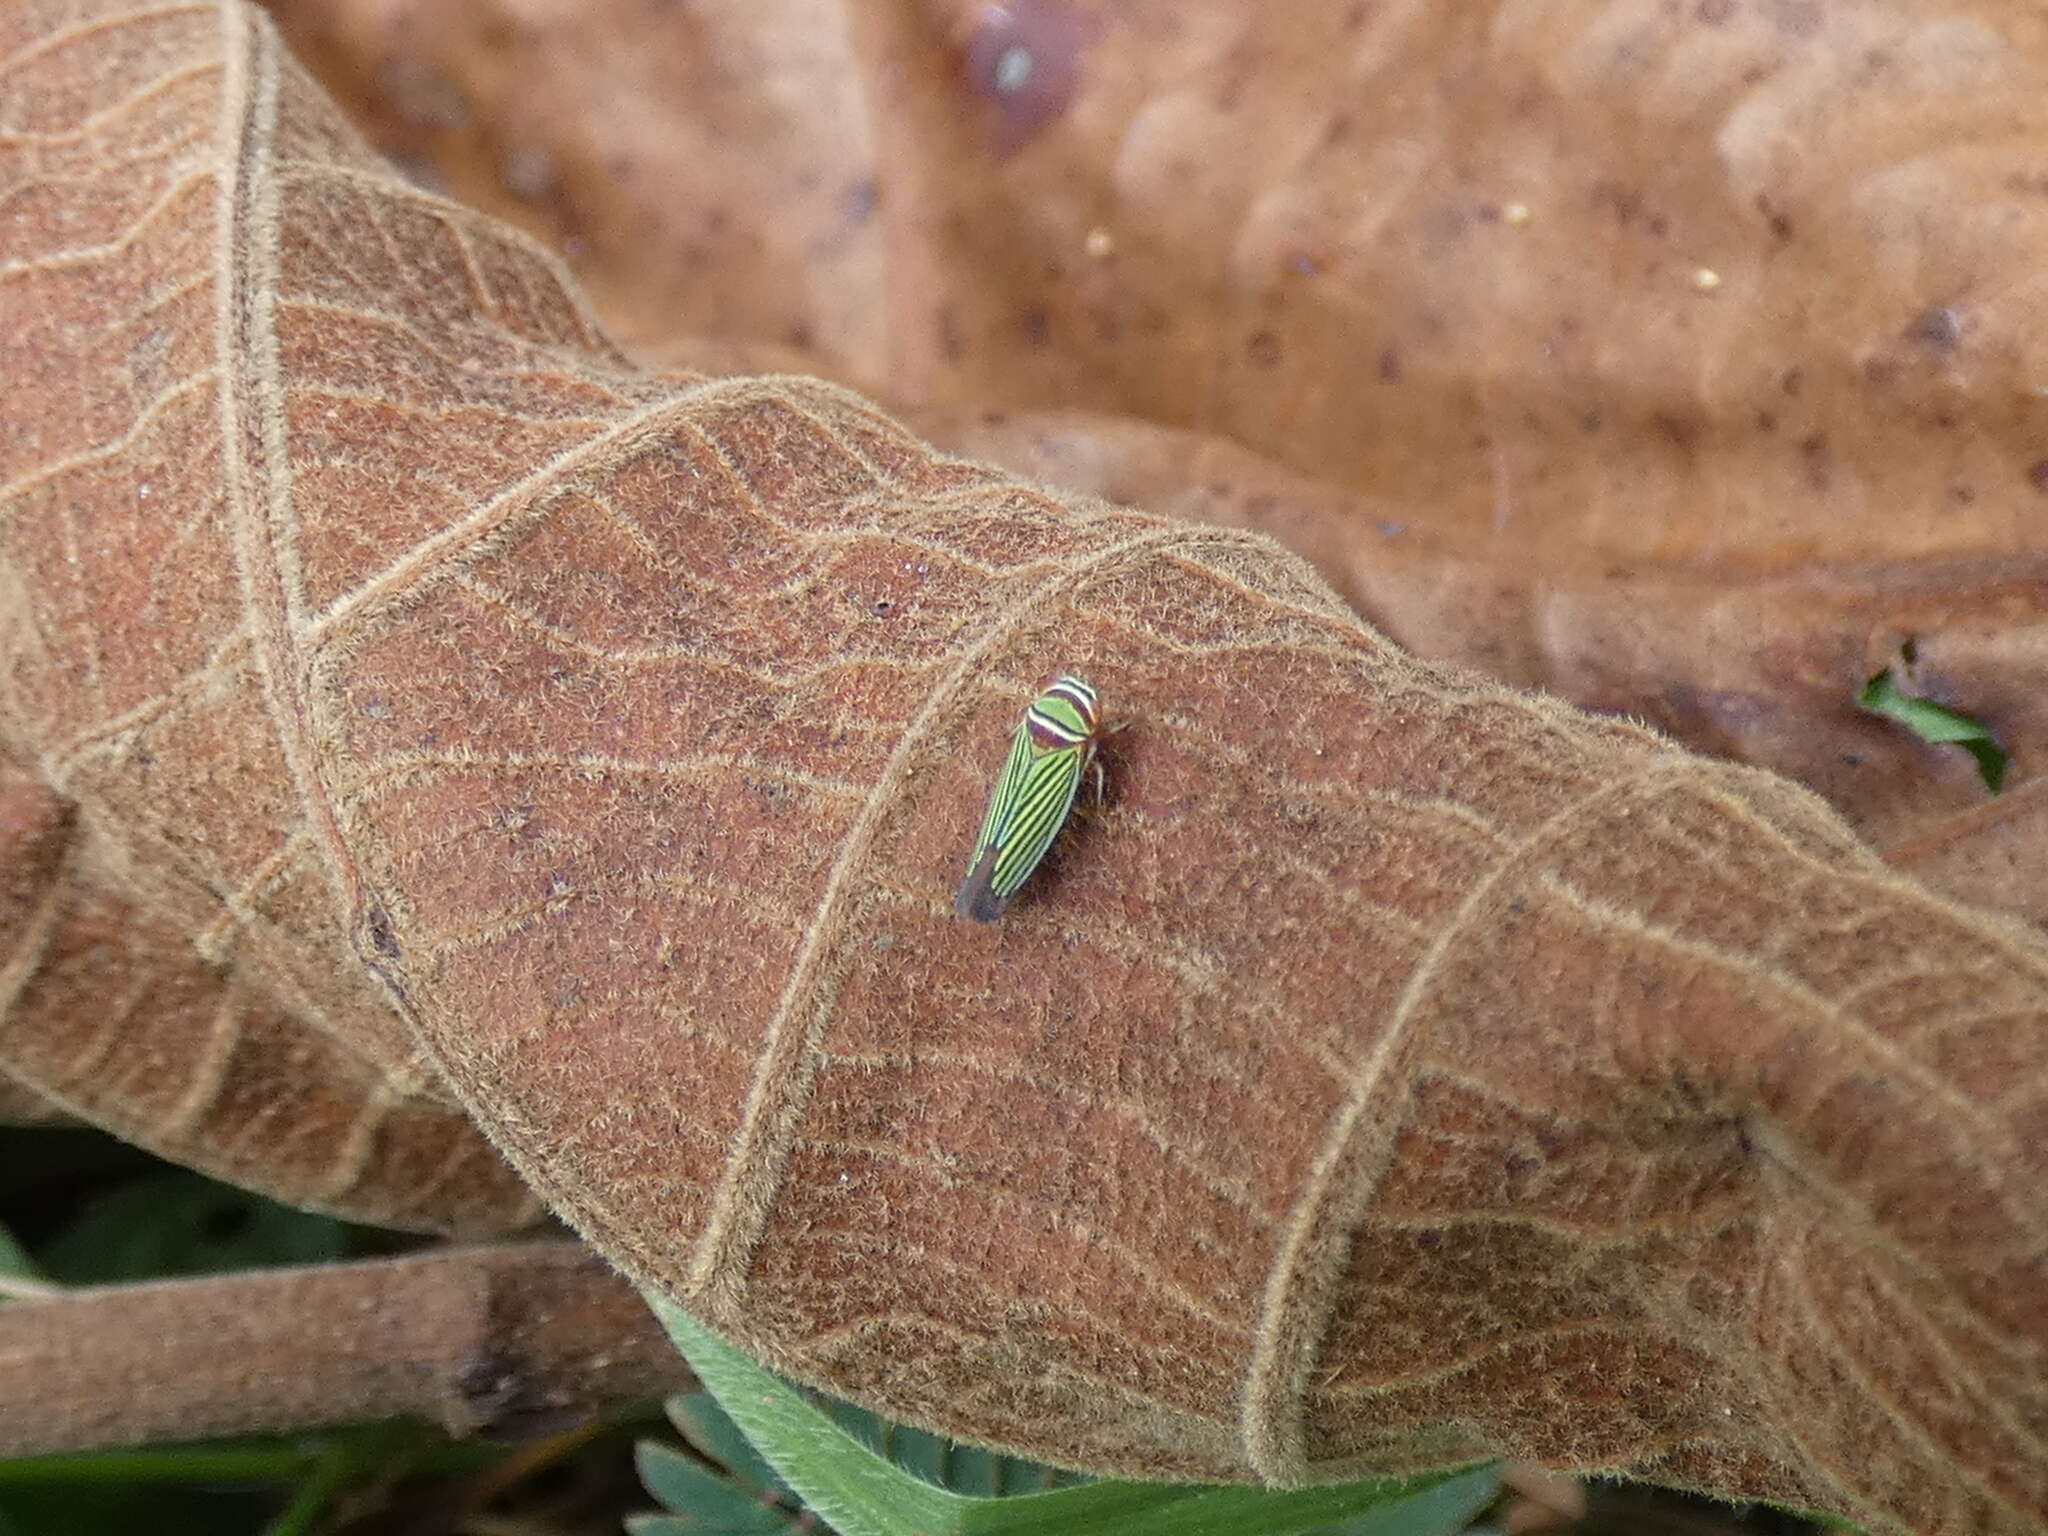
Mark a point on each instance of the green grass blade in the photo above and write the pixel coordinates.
(315, 1492)
(707, 1427)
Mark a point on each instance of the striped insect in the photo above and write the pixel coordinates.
(1049, 757)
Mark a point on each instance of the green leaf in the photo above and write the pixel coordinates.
(957, 1468)
(708, 1429)
(1936, 723)
(17, 1266)
(860, 1493)
(700, 1501)
(685, 1525)
(1826, 1521)
(176, 1223)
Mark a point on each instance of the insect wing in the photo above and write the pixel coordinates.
(1044, 796)
(977, 899)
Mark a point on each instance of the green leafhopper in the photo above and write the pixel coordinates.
(1049, 756)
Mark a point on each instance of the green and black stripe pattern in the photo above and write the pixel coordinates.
(1049, 756)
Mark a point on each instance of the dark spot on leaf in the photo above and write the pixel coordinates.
(1780, 226)
(1797, 18)
(1879, 371)
(1390, 365)
(1230, 89)
(2037, 475)
(1024, 59)
(858, 204)
(1766, 421)
(1814, 451)
(1037, 326)
(1676, 430)
(1624, 203)
(1791, 382)
(1263, 347)
(1714, 13)
(1938, 327)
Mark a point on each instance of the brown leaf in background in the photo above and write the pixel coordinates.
(726, 188)
(1401, 1070)
(1693, 350)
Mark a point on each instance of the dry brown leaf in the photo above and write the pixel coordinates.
(1402, 1069)
(24, 1106)
(1694, 347)
(1992, 852)
(726, 188)
(177, 965)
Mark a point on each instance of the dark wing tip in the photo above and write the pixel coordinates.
(982, 906)
(976, 899)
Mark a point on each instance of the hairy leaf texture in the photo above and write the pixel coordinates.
(412, 709)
